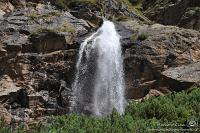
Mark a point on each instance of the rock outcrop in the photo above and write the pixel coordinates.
(152, 50)
(38, 48)
(183, 13)
(183, 76)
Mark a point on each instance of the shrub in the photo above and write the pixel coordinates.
(190, 12)
(138, 117)
(142, 37)
(61, 3)
(138, 37)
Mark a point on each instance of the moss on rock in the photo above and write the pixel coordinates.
(139, 37)
(34, 16)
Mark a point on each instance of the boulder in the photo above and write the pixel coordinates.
(182, 77)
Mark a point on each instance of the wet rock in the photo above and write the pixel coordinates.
(125, 34)
(64, 98)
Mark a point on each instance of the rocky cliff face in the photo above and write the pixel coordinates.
(39, 42)
(154, 49)
(183, 13)
(38, 48)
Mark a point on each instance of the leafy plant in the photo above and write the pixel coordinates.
(142, 37)
(139, 37)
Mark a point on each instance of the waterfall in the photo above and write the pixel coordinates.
(99, 84)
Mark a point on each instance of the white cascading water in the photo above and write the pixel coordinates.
(99, 84)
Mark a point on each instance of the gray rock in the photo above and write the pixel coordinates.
(161, 48)
(186, 73)
(42, 29)
(184, 13)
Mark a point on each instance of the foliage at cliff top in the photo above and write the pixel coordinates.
(64, 3)
(175, 108)
(132, 6)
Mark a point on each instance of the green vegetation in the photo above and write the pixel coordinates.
(142, 37)
(137, 7)
(4, 128)
(139, 37)
(40, 30)
(61, 3)
(34, 16)
(192, 11)
(34, 36)
(65, 3)
(65, 27)
(175, 108)
(122, 18)
(91, 1)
